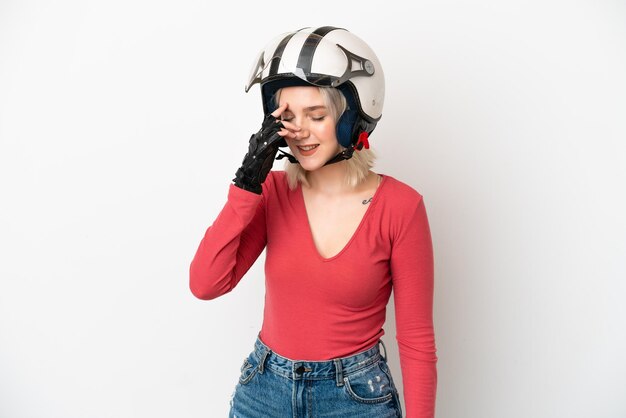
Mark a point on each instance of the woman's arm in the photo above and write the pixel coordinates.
(413, 280)
(230, 245)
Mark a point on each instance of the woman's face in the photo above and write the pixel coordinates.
(307, 111)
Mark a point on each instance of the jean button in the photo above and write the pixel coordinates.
(300, 370)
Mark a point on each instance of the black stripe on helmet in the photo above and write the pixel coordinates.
(279, 53)
(305, 60)
(323, 30)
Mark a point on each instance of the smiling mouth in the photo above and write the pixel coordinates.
(308, 148)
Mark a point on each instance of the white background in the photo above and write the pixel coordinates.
(123, 122)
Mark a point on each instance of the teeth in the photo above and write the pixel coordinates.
(308, 148)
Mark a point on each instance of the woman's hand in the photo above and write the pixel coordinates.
(289, 130)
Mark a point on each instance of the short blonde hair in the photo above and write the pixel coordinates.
(357, 167)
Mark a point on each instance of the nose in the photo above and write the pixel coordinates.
(303, 132)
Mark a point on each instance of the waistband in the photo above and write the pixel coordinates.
(316, 370)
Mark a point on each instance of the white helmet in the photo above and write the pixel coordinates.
(328, 57)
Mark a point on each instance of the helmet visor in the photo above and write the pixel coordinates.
(310, 57)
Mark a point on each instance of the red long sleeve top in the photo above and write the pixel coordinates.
(340, 301)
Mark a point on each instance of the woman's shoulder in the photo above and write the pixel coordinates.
(278, 174)
(401, 204)
(277, 177)
(403, 194)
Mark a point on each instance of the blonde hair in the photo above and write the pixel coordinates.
(357, 167)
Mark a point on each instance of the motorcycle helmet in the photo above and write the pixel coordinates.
(326, 57)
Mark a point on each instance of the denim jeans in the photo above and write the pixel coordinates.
(271, 386)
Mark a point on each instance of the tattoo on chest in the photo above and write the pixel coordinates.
(365, 202)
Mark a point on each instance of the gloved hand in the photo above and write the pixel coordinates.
(259, 159)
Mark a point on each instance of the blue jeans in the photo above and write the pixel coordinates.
(271, 386)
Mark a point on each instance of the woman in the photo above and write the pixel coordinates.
(337, 236)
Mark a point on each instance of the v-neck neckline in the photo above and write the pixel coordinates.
(356, 231)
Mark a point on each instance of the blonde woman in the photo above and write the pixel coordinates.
(338, 238)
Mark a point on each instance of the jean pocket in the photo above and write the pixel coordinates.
(248, 369)
(369, 385)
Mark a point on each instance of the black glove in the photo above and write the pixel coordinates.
(260, 156)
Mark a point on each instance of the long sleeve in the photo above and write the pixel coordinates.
(230, 245)
(413, 284)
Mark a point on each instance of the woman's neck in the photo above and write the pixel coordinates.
(330, 180)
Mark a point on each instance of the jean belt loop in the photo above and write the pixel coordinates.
(338, 372)
(263, 358)
(385, 349)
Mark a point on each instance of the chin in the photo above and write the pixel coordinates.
(310, 164)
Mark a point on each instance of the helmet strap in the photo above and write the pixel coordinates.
(290, 157)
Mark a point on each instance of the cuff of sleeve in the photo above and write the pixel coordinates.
(236, 193)
(243, 202)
